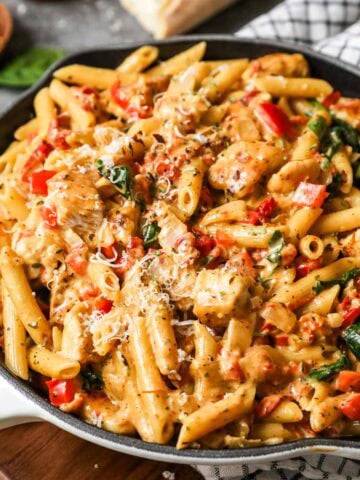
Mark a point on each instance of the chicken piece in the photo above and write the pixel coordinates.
(219, 293)
(185, 110)
(262, 363)
(78, 204)
(241, 166)
(240, 124)
(292, 173)
(284, 64)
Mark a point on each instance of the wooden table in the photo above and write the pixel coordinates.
(41, 451)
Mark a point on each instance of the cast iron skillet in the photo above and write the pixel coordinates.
(343, 77)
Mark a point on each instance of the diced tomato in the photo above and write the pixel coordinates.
(134, 242)
(77, 261)
(305, 266)
(331, 99)
(48, 214)
(38, 157)
(351, 407)
(275, 119)
(267, 207)
(56, 136)
(267, 405)
(249, 96)
(262, 212)
(229, 364)
(348, 379)
(310, 195)
(266, 326)
(204, 244)
(88, 292)
(103, 305)
(61, 391)
(224, 240)
(145, 111)
(38, 181)
(252, 217)
(110, 252)
(350, 317)
(345, 303)
(282, 340)
(167, 169)
(299, 119)
(89, 91)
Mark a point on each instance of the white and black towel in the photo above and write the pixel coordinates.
(333, 28)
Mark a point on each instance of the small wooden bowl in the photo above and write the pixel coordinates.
(6, 26)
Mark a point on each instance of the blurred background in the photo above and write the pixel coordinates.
(75, 24)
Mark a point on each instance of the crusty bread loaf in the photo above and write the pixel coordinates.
(164, 18)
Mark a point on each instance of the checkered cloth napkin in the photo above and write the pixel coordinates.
(333, 28)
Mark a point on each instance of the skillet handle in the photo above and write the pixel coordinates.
(15, 409)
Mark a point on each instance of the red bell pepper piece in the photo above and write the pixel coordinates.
(351, 407)
(61, 391)
(348, 379)
(48, 214)
(246, 99)
(334, 97)
(282, 340)
(267, 405)
(204, 244)
(304, 266)
(350, 317)
(224, 240)
(38, 157)
(267, 207)
(38, 181)
(134, 242)
(77, 262)
(275, 119)
(310, 195)
(103, 305)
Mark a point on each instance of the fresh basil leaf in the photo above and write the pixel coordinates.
(27, 68)
(91, 379)
(150, 233)
(352, 338)
(320, 285)
(119, 176)
(276, 244)
(349, 134)
(318, 126)
(327, 371)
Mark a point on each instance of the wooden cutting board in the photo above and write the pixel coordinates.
(40, 451)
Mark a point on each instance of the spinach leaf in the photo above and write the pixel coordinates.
(320, 285)
(150, 233)
(119, 176)
(91, 379)
(352, 338)
(327, 371)
(349, 134)
(318, 126)
(276, 244)
(27, 68)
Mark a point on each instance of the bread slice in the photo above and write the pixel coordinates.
(164, 18)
